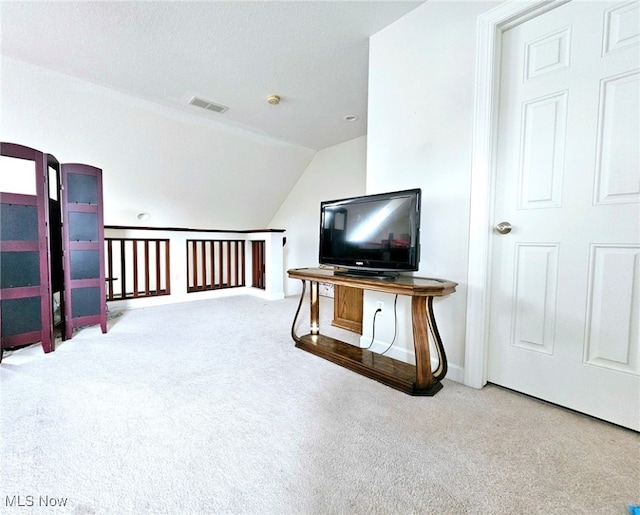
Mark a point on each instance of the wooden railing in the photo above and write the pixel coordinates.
(215, 264)
(140, 267)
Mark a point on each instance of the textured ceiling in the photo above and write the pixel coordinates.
(236, 53)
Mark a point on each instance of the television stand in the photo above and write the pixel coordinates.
(413, 380)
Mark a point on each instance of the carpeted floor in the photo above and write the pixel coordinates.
(207, 407)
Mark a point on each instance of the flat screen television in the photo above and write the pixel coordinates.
(376, 235)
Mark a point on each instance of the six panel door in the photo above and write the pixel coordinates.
(565, 298)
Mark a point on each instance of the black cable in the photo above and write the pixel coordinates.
(373, 330)
(395, 325)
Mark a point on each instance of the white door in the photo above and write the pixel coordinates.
(565, 286)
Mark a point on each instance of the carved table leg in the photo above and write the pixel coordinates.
(424, 377)
(315, 308)
(423, 320)
(295, 337)
(441, 371)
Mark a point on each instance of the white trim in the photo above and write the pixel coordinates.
(161, 300)
(489, 31)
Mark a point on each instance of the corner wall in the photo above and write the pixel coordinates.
(335, 172)
(421, 86)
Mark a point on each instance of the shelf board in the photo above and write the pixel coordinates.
(386, 370)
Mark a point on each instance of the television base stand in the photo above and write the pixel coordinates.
(368, 274)
(418, 379)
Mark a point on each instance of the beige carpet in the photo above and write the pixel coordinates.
(207, 407)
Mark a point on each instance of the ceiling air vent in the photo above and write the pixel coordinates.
(205, 104)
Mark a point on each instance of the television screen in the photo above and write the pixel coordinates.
(375, 233)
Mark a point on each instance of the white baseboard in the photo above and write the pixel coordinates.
(160, 300)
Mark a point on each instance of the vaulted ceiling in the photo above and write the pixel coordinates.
(313, 54)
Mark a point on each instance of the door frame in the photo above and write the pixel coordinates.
(490, 27)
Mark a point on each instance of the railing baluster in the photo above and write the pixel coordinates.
(110, 269)
(195, 266)
(234, 264)
(228, 263)
(238, 263)
(158, 267)
(167, 270)
(123, 270)
(146, 268)
(220, 265)
(135, 267)
(189, 257)
(204, 265)
(242, 255)
(234, 255)
(212, 264)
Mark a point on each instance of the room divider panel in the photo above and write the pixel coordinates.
(25, 291)
(84, 269)
(56, 218)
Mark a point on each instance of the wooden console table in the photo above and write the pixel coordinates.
(414, 380)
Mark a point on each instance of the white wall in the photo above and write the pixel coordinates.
(335, 172)
(421, 84)
(186, 171)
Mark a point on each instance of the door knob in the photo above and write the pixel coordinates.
(504, 227)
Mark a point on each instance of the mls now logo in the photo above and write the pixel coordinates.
(28, 501)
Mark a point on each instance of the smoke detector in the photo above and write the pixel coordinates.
(207, 104)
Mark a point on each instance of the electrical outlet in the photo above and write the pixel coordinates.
(380, 306)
